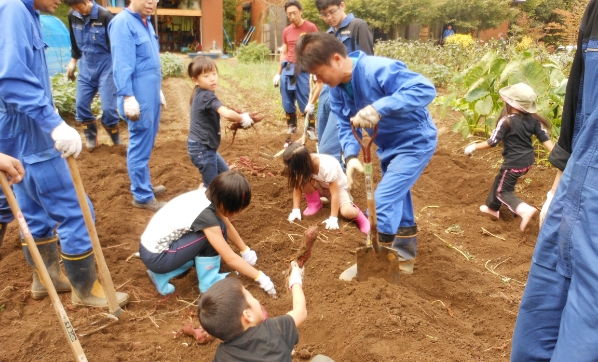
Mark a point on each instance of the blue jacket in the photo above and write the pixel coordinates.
(399, 95)
(26, 109)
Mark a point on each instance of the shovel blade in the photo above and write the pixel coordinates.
(382, 263)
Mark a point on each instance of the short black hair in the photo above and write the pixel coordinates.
(221, 307)
(324, 4)
(74, 2)
(297, 159)
(315, 49)
(230, 191)
(290, 3)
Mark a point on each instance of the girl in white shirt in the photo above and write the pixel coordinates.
(316, 175)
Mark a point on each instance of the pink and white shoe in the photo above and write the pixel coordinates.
(362, 222)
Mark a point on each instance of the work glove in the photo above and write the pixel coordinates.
(162, 99)
(545, 206)
(246, 120)
(276, 80)
(294, 215)
(469, 150)
(352, 166)
(266, 284)
(132, 109)
(71, 67)
(331, 223)
(66, 140)
(309, 108)
(296, 276)
(367, 117)
(249, 256)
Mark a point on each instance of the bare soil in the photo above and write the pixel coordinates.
(459, 305)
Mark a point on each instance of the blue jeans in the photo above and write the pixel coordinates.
(180, 252)
(208, 161)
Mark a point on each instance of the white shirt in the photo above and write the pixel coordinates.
(330, 171)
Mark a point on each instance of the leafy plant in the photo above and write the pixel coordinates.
(253, 53)
(64, 93)
(460, 40)
(171, 64)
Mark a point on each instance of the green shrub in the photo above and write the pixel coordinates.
(253, 53)
(172, 65)
(64, 93)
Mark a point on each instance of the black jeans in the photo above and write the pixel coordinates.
(503, 189)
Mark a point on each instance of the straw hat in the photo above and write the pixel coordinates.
(520, 96)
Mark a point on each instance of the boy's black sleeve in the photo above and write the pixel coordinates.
(206, 219)
(499, 132)
(288, 329)
(75, 51)
(208, 100)
(541, 133)
(363, 36)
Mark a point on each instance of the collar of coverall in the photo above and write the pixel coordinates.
(29, 5)
(138, 16)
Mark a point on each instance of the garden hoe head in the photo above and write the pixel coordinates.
(373, 260)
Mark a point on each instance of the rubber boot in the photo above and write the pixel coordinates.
(91, 135)
(405, 243)
(291, 123)
(48, 249)
(526, 212)
(87, 290)
(3, 227)
(208, 271)
(362, 222)
(114, 133)
(311, 127)
(161, 281)
(314, 204)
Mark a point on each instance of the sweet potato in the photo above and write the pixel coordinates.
(311, 234)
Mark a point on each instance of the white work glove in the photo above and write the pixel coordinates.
(132, 109)
(545, 206)
(294, 215)
(309, 108)
(66, 140)
(276, 80)
(266, 284)
(367, 117)
(331, 223)
(71, 67)
(162, 99)
(296, 276)
(246, 120)
(469, 149)
(249, 256)
(352, 166)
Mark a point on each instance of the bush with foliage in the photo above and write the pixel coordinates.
(460, 40)
(172, 65)
(253, 53)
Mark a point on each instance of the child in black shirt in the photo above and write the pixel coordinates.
(206, 109)
(229, 312)
(515, 129)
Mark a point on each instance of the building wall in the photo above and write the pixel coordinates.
(211, 24)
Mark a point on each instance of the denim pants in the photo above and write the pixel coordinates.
(503, 189)
(207, 160)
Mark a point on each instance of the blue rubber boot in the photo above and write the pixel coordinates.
(161, 281)
(208, 271)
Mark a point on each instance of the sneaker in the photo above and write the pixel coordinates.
(291, 129)
(311, 134)
(158, 190)
(153, 205)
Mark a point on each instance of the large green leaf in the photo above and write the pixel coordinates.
(484, 106)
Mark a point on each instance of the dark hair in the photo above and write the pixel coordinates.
(290, 3)
(221, 307)
(297, 159)
(324, 4)
(74, 2)
(508, 109)
(230, 191)
(198, 66)
(315, 49)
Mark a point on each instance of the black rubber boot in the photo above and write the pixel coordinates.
(405, 243)
(291, 123)
(3, 227)
(87, 290)
(48, 249)
(114, 133)
(90, 131)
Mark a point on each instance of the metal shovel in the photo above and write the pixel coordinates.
(373, 260)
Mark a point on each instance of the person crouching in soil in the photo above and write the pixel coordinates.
(514, 128)
(312, 175)
(193, 228)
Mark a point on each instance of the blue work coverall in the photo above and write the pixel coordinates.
(46, 195)
(406, 137)
(558, 316)
(293, 88)
(91, 45)
(136, 60)
(355, 35)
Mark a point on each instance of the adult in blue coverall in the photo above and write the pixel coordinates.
(32, 132)
(558, 316)
(137, 76)
(368, 91)
(90, 47)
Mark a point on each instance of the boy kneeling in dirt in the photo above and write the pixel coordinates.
(229, 312)
(379, 93)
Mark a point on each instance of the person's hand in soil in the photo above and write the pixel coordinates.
(199, 334)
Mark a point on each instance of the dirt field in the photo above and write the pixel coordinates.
(459, 305)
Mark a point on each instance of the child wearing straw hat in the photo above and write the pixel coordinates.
(515, 128)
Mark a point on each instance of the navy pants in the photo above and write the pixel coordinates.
(503, 189)
(208, 161)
